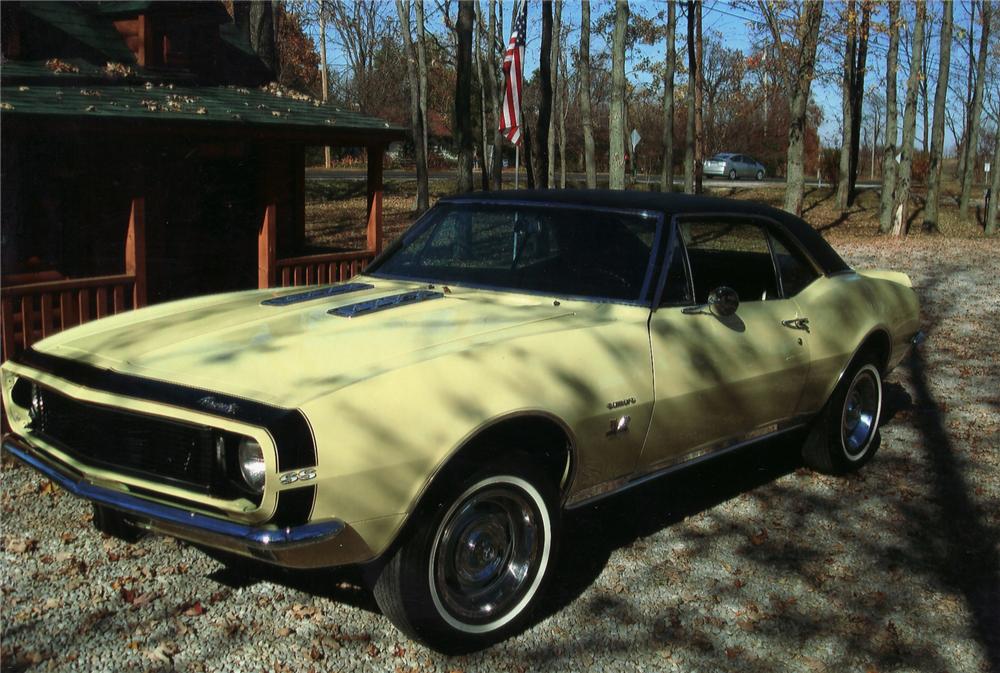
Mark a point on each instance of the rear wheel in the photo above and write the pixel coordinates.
(760, 175)
(732, 174)
(845, 435)
(471, 572)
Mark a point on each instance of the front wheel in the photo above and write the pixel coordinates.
(845, 435)
(760, 175)
(470, 573)
(732, 174)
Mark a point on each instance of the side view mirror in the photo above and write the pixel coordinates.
(723, 301)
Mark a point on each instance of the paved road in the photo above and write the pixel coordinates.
(576, 178)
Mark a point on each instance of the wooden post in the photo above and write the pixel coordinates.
(145, 35)
(135, 250)
(375, 153)
(267, 238)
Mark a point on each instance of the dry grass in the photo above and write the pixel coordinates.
(335, 212)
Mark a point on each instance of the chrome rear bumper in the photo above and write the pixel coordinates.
(313, 545)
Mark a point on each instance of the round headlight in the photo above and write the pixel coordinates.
(251, 459)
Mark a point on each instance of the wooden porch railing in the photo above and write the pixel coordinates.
(34, 311)
(319, 269)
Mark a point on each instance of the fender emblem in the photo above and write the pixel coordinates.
(618, 404)
(298, 475)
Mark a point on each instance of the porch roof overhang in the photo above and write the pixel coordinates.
(83, 99)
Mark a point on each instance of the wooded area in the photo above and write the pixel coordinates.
(584, 96)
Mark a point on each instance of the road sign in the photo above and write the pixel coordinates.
(635, 138)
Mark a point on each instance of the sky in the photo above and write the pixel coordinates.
(732, 21)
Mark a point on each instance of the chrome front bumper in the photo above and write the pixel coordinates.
(313, 545)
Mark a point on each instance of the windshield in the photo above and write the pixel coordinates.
(563, 251)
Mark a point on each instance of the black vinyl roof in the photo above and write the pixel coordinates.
(670, 205)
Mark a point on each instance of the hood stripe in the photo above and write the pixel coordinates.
(316, 294)
(384, 303)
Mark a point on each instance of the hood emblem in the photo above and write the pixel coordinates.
(384, 303)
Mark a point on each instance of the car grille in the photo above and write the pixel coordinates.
(149, 447)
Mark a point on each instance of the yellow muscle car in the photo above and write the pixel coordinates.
(512, 356)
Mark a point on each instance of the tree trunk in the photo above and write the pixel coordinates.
(616, 131)
(667, 171)
(909, 123)
(889, 167)
(970, 35)
(689, 136)
(540, 139)
(422, 73)
(847, 108)
(991, 210)
(324, 73)
(463, 95)
(563, 110)
(858, 97)
(557, 100)
(699, 97)
(585, 113)
(484, 169)
(969, 174)
(797, 77)
(937, 134)
(496, 96)
(416, 120)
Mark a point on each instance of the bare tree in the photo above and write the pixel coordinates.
(583, 65)
(847, 104)
(909, 124)
(557, 101)
(563, 112)
(616, 158)
(540, 139)
(799, 63)
(422, 68)
(667, 171)
(359, 27)
(991, 210)
(699, 88)
(478, 53)
(888, 198)
(691, 138)
(324, 72)
(417, 120)
(972, 137)
(937, 135)
(463, 93)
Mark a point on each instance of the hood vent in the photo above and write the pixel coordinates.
(383, 303)
(316, 294)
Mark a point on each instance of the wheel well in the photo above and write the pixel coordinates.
(878, 345)
(539, 436)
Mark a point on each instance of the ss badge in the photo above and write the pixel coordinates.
(298, 475)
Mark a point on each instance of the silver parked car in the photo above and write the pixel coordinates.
(733, 166)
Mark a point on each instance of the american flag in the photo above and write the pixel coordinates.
(513, 70)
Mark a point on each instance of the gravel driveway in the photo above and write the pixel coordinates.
(750, 563)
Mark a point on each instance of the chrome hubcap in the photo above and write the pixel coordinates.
(487, 554)
(861, 411)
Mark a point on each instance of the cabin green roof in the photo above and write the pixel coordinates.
(37, 90)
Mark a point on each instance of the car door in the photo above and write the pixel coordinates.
(721, 380)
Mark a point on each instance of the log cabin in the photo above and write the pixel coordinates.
(147, 157)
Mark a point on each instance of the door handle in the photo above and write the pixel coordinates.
(797, 323)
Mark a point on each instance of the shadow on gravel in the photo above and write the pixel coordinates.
(593, 532)
(966, 558)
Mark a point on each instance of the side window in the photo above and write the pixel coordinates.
(796, 272)
(729, 253)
